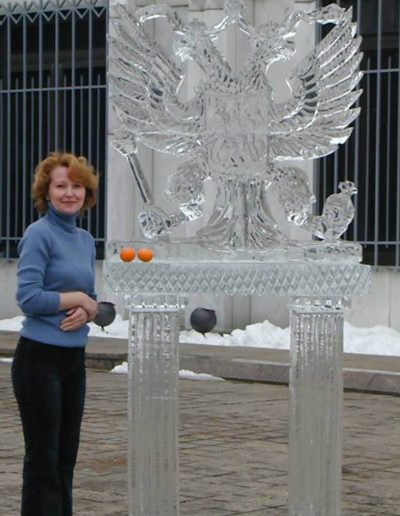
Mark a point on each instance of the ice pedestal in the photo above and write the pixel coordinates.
(153, 405)
(315, 433)
(317, 289)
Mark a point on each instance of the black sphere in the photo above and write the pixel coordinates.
(105, 313)
(203, 320)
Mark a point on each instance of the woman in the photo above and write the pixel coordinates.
(56, 293)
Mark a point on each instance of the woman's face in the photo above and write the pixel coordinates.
(65, 195)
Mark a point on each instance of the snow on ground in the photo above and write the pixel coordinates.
(11, 324)
(378, 340)
(183, 373)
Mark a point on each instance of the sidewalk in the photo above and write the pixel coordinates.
(233, 439)
(365, 373)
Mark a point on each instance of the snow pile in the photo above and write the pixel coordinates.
(183, 373)
(379, 340)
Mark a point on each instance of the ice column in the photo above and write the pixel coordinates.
(153, 406)
(316, 398)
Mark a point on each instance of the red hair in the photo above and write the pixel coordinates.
(78, 170)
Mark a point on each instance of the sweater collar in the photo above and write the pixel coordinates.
(66, 222)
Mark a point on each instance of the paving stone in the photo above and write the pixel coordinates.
(233, 450)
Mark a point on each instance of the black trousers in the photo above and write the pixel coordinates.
(49, 385)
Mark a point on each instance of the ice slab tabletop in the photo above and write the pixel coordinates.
(247, 277)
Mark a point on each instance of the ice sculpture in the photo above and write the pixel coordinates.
(337, 213)
(153, 407)
(232, 131)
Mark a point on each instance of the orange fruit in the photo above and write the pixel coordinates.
(127, 254)
(145, 254)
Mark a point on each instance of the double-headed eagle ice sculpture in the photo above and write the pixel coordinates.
(232, 131)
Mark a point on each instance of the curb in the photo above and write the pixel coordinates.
(248, 369)
(361, 380)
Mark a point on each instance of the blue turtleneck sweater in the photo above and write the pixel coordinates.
(54, 256)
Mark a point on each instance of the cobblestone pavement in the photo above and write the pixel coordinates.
(233, 450)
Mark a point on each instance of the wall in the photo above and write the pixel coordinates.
(8, 306)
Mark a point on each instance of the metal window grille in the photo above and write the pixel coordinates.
(52, 97)
(371, 156)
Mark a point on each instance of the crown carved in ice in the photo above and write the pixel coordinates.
(232, 131)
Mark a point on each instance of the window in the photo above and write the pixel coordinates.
(371, 157)
(52, 97)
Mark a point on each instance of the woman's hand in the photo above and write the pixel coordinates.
(71, 300)
(76, 318)
(90, 307)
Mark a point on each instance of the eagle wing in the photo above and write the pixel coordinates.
(144, 83)
(316, 119)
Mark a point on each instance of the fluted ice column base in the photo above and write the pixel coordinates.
(153, 476)
(316, 398)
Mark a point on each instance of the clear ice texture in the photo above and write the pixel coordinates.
(250, 277)
(232, 131)
(316, 386)
(153, 467)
